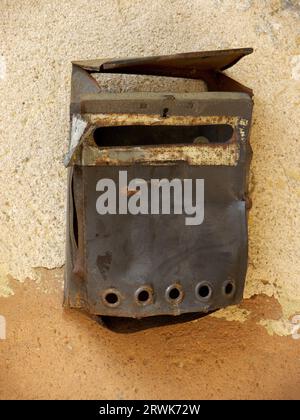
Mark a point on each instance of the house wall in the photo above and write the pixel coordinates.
(40, 38)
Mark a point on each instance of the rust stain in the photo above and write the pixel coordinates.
(156, 119)
(195, 154)
(199, 154)
(104, 263)
(130, 193)
(126, 192)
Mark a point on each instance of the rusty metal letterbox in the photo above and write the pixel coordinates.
(145, 263)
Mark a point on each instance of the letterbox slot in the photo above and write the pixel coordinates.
(142, 135)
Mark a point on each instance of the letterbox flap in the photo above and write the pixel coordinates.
(180, 65)
(206, 65)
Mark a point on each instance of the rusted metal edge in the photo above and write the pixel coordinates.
(85, 152)
(114, 119)
(203, 154)
(217, 60)
(205, 65)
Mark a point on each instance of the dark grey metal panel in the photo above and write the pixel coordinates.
(126, 251)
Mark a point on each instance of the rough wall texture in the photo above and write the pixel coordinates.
(39, 38)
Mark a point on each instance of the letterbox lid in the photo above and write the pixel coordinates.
(180, 65)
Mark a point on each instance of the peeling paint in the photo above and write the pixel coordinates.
(78, 126)
(2, 68)
(281, 327)
(203, 154)
(112, 119)
(77, 129)
(295, 62)
(5, 289)
(232, 313)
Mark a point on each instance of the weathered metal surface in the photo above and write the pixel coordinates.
(186, 63)
(207, 66)
(182, 109)
(142, 265)
(104, 120)
(159, 155)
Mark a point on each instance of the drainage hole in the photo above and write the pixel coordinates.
(174, 293)
(143, 296)
(229, 288)
(112, 298)
(204, 291)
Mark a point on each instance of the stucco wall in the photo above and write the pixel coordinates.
(39, 38)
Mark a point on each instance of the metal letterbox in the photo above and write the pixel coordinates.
(154, 262)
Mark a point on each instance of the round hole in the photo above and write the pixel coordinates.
(229, 288)
(144, 295)
(112, 297)
(174, 293)
(203, 291)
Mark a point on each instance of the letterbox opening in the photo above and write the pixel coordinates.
(141, 135)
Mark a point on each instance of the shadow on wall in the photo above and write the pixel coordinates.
(131, 325)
